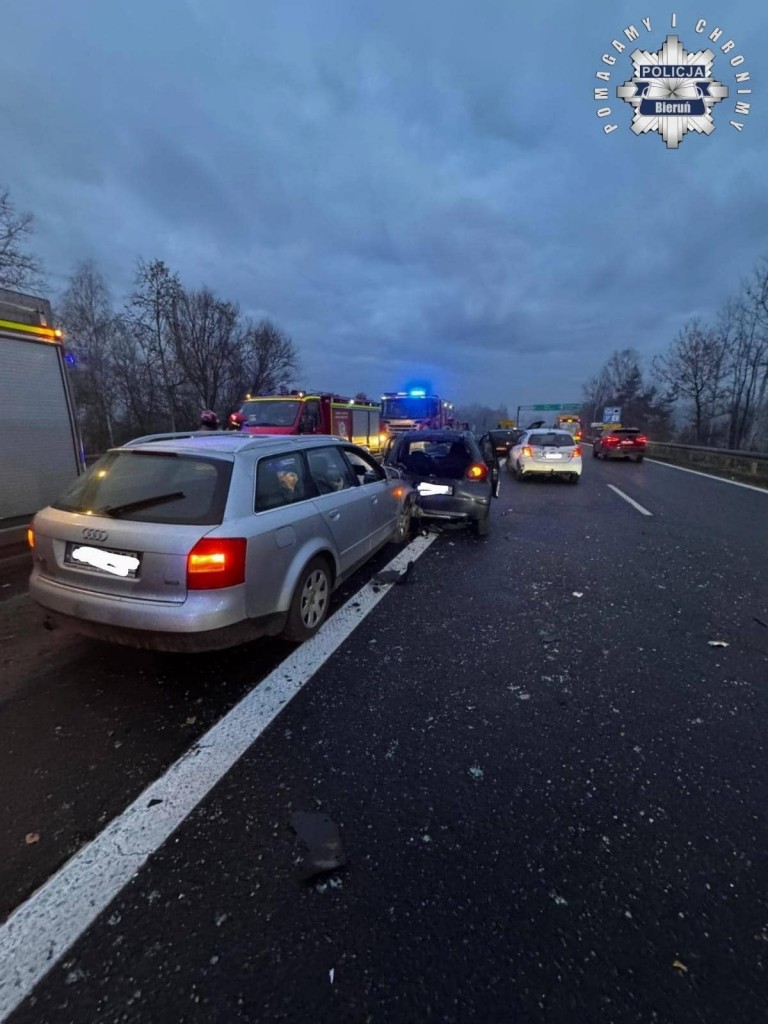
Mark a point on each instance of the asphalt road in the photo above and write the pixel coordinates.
(550, 787)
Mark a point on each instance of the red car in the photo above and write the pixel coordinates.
(620, 443)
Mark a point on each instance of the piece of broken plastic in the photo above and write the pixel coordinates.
(322, 839)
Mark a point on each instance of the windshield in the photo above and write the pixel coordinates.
(152, 487)
(553, 440)
(410, 408)
(271, 412)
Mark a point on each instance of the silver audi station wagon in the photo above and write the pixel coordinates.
(188, 542)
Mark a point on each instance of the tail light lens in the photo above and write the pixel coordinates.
(215, 563)
(641, 439)
(30, 537)
(611, 439)
(527, 452)
(477, 471)
(576, 453)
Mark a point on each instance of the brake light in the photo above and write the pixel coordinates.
(477, 471)
(30, 537)
(527, 452)
(641, 439)
(576, 452)
(577, 437)
(611, 439)
(215, 563)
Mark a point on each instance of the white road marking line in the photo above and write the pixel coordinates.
(631, 501)
(710, 476)
(41, 931)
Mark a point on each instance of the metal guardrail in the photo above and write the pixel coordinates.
(745, 465)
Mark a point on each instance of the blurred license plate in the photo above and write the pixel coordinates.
(552, 455)
(111, 563)
(434, 489)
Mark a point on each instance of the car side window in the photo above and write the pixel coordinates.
(282, 480)
(329, 470)
(364, 466)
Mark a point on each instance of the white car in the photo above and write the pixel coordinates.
(546, 451)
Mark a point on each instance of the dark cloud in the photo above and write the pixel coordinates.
(421, 190)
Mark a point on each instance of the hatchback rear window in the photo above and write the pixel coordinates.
(551, 440)
(626, 431)
(152, 487)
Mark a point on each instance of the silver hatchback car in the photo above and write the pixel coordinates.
(189, 542)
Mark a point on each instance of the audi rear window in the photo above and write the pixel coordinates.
(152, 487)
(551, 441)
(626, 431)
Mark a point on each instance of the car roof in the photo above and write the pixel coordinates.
(548, 430)
(434, 435)
(227, 443)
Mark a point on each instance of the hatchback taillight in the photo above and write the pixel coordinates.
(30, 537)
(641, 439)
(215, 563)
(611, 439)
(576, 453)
(527, 452)
(477, 471)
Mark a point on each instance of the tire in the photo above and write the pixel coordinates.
(311, 601)
(639, 458)
(574, 478)
(480, 526)
(519, 474)
(404, 524)
(594, 452)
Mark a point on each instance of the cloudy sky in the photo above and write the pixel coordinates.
(410, 190)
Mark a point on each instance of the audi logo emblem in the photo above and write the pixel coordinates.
(89, 534)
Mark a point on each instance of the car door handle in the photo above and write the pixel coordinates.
(334, 514)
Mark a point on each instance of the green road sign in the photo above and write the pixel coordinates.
(573, 407)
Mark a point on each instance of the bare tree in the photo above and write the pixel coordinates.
(269, 357)
(693, 368)
(19, 269)
(88, 318)
(204, 330)
(152, 308)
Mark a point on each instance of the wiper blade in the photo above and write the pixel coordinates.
(135, 506)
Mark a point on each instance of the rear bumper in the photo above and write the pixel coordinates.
(622, 453)
(450, 507)
(205, 621)
(552, 469)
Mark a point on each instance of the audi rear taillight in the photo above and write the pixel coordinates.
(527, 452)
(215, 563)
(611, 439)
(641, 439)
(477, 471)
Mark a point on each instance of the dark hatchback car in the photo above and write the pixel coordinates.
(455, 476)
(620, 443)
(504, 440)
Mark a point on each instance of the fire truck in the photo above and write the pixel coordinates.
(41, 451)
(571, 423)
(314, 412)
(414, 410)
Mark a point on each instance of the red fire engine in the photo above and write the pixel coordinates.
(414, 410)
(302, 412)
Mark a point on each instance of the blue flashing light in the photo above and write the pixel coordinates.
(418, 393)
(70, 359)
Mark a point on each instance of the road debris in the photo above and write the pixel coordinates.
(578, 593)
(322, 839)
(392, 576)
(476, 772)
(718, 643)
(331, 974)
(32, 837)
(679, 966)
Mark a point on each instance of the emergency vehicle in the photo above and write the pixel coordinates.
(571, 423)
(318, 412)
(41, 451)
(414, 410)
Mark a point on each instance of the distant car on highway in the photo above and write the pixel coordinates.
(620, 443)
(503, 439)
(204, 541)
(546, 452)
(454, 475)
